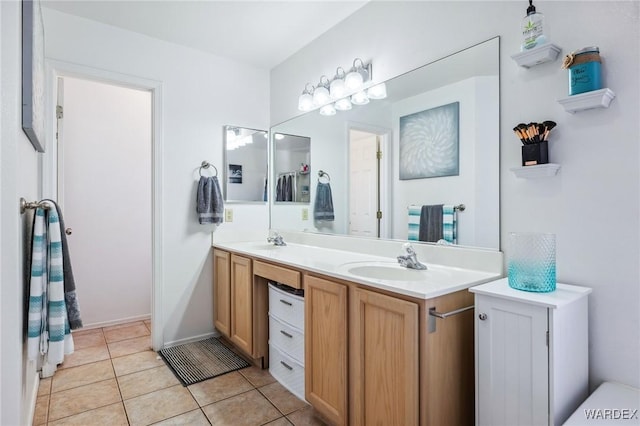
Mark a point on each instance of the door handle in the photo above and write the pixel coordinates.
(68, 231)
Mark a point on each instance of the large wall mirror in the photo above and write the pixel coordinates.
(245, 164)
(437, 131)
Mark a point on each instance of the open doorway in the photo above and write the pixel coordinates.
(369, 214)
(104, 186)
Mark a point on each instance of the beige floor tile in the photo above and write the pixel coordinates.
(282, 421)
(42, 408)
(257, 376)
(284, 400)
(83, 398)
(82, 375)
(84, 330)
(220, 387)
(123, 325)
(137, 329)
(192, 418)
(44, 386)
(86, 356)
(88, 338)
(249, 408)
(136, 362)
(129, 346)
(146, 381)
(305, 417)
(112, 415)
(159, 405)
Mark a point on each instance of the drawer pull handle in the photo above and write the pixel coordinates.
(287, 366)
(286, 334)
(286, 302)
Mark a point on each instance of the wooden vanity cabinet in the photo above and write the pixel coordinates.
(222, 292)
(242, 303)
(325, 323)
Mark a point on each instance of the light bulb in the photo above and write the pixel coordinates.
(279, 136)
(337, 89)
(343, 104)
(321, 96)
(379, 91)
(353, 81)
(360, 98)
(305, 102)
(328, 110)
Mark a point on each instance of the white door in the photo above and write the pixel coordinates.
(363, 183)
(512, 363)
(104, 188)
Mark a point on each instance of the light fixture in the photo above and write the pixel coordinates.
(321, 92)
(357, 76)
(337, 89)
(328, 110)
(360, 98)
(379, 91)
(305, 101)
(279, 136)
(343, 104)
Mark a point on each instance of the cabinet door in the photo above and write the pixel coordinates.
(222, 292)
(325, 323)
(242, 303)
(384, 360)
(511, 362)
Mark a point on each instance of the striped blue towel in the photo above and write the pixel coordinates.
(413, 222)
(48, 333)
(449, 224)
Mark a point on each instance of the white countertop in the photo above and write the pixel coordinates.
(436, 281)
(563, 295)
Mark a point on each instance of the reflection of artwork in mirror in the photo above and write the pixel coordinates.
(429, 143)
(246, 158)
(235, 173)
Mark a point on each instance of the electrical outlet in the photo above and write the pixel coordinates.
(228, 215)
(305, 214)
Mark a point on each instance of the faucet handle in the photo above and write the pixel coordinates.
(408, 248)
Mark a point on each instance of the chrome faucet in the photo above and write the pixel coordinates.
(410, 258)
(276, 239)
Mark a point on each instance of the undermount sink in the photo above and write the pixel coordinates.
(387, 271)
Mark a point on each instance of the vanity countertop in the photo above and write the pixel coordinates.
(436, 281)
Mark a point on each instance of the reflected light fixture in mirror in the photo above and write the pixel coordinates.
(379, 91)
(343, 104)
(360, 98)
(328, 110)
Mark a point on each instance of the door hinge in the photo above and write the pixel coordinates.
(379, 155)
(59, 111)
(547, 338)
(378, 214)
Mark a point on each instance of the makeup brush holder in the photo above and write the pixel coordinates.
(531, 261)
(535, 153)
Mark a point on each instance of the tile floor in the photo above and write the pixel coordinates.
(114, 378)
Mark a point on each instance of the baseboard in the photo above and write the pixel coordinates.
(32, 398)
(116, 322)
(191, 339)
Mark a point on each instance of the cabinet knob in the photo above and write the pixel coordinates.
(482, 316)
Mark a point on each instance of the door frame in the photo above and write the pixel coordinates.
(385, 170)
(49, 163)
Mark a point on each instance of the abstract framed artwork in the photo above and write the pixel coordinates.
(33, 73)
(430, 143)
(235, 173)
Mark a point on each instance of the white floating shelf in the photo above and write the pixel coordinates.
(588, 100)
(537, 171)
(538, 55)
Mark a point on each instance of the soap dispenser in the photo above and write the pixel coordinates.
(533, 28)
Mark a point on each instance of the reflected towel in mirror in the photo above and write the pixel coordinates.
(323, 207)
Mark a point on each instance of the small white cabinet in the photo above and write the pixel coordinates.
(531, 354)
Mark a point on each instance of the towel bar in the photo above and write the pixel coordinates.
(433, 314)
(24, 205)
(322, 174)
(205, 165)
(459, 207)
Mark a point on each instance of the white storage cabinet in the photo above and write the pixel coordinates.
(531, 354)
(286, 339)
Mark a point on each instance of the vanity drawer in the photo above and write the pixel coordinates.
(277, 274)
(287, 338)
(287, 307)
(287, 371)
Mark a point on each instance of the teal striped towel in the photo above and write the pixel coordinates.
(48, 331)
(414, 222)
(449, 224)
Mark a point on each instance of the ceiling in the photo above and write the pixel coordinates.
(258, 33)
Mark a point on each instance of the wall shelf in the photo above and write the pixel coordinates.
(589, 100)
(535, 172)
(538, 55)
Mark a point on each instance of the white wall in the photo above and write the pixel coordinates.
(201, 93)
(593, 203)
(105, 193)
(19, 177)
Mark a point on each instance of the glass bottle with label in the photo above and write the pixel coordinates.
(533, 28)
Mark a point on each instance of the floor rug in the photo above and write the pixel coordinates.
(198, 361)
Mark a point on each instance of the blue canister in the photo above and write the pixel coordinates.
(584, 70)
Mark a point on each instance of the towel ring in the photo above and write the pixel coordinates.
(206, 165)
(322, 174)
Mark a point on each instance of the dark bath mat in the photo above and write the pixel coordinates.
(198, 361)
